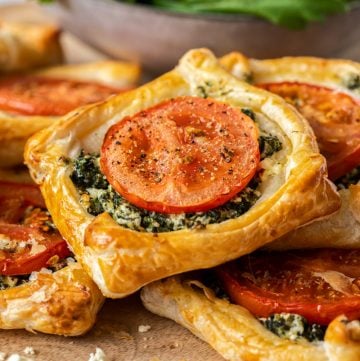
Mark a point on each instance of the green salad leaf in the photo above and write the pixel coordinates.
(293, 14)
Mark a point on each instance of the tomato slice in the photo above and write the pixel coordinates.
(183, 155)
(27, 247)
(335, 118)
(34, 95)
(317, 284)
(15, 198)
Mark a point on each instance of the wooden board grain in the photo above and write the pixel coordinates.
(117, 334)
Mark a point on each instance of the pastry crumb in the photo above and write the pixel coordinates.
(17, 357)
(29, 351)
(99, 355)
(144, 328)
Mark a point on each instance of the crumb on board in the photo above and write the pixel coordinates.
(99, 355)
(144, 328)
(29, 351)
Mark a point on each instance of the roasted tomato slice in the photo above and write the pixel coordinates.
(34, 95)
(15, 198)
(184, 155)
(316, 284)
(24, 249)
(28, 245)
(335, 118)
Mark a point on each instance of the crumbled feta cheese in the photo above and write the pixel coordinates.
(46, 271)
(144, 328)
(99, 355)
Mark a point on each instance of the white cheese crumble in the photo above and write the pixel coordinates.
(144, 328)
(99, 355)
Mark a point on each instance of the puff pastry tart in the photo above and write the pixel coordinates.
(169, 177)
(41, 287)
(26, 46)
(32, 101)
(327, 93)
(299, 305)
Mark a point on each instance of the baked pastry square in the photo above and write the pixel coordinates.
(32, 101)
(336, 84)
(124, 247)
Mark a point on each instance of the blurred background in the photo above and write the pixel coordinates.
(157, 33)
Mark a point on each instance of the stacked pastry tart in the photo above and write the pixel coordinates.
(42, 287)
(290, 305)
(186, 172)
(326, 92)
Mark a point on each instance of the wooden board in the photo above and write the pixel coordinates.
(116, 333)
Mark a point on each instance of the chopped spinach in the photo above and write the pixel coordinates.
(353, 177)
(249, 112)
(12, 281)
(269, 145)
(292, 326)
(86, 173)
(353, 82)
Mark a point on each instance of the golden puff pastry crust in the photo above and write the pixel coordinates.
(294, 186)
(236, 334)
(65, 302)
(25, 46)
(343, 228)
(16, 129)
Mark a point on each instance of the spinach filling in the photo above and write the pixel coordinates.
(353, 177)
(13, 281)
(293, 327)
(285, 325)
(98, 196)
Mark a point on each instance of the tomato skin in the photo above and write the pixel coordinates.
(35, 95)
(183, 155)
(23, 263)
(15, 198)
(334, 117)
(254, 282)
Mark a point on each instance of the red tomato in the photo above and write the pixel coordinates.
(15, 198)
(335, 118)
(183, 155)
(38, 248)
(34, 95)
(317, 284)
(26, 248)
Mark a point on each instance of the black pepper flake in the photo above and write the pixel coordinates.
(118, 143)
(227, 154)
